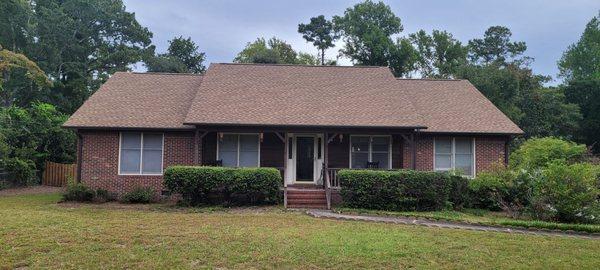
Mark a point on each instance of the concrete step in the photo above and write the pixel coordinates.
(308, 206)
(307, 201)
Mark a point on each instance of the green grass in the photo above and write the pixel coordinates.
(36, 232)
(478, 216)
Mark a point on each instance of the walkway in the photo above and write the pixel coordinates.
(447, 224)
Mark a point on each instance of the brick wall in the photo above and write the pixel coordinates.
(488, 151)
(101, 156)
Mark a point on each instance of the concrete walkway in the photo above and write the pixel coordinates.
(449, 225)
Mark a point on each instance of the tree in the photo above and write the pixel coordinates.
(496, 47)
(16, 25)
(35, 134)
(80, 43)
(367, 29)
(320, 32)
(272, 51)
(586, 94)
(11, 63)
(546, 112)
(438, 54)
(181, 57)
(582, 59)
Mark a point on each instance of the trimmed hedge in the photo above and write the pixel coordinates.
(402, 190)
(221, 185)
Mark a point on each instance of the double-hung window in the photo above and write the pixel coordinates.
(239, 150)
(454, 154)
(365, 149)
(141, 153)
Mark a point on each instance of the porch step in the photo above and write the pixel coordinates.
(306, 198)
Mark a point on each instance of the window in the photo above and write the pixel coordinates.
(239, 150)
(454, 154)
(141, 153)
(365, 149)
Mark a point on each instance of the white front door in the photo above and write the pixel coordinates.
(306, 159)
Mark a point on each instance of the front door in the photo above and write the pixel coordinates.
(305, 159)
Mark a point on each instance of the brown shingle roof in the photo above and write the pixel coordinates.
(138, 100)
(292, 95)
(455, 106)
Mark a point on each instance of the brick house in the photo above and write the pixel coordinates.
(307, 121)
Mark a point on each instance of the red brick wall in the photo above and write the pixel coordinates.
(488, 150)
(101, 156)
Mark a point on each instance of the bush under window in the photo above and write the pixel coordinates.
(220, 185)
(402, 190)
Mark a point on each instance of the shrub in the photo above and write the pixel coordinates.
(139, 195)
(103, 195)
(23, 171)
(460, 194)
(212, 185)
(402, 190)
(537, 153)
(502, 188)
(78, 192)
(567, 193)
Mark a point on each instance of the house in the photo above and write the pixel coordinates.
(307, 121)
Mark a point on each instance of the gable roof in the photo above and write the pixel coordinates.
(290, 95)
(455, 106)
(293, 95)
(139, 100)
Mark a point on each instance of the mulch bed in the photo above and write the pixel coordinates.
(31, 190)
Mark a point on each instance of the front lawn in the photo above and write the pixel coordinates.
(36, 232)
(479, 216)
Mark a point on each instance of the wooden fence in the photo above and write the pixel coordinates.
(57, 174)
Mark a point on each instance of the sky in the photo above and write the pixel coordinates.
(221, 28)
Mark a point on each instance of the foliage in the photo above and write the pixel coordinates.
(546, 112)
(11, 62)
(272, 51)
(395, 190)
(35, 134)
(581, 61)
(199, 185)
(496, 47)
(320, 32)
(439, 54)
(586, 94)
(537, 153)
(78, 43)
(23, 171)
(103, 195)
(367, 30)
(182, 57)
(501, 188)
(568, 193)
(78, 192)
(460, 196)
(139, 195)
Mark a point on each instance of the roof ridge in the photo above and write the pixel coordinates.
(429, 79)
(297, 65)
(160, 73)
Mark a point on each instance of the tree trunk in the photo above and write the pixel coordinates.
(322, 57)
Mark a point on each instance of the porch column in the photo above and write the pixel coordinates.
(196, 146)
(414, 151)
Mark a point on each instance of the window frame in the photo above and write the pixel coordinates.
(238, 147)
(141, 172)
(453, 156)
(370, 151)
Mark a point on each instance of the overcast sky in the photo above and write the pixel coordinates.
(222, 27)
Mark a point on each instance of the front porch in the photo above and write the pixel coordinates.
(308, 160)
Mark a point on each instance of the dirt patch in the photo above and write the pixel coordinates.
(31, 190)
